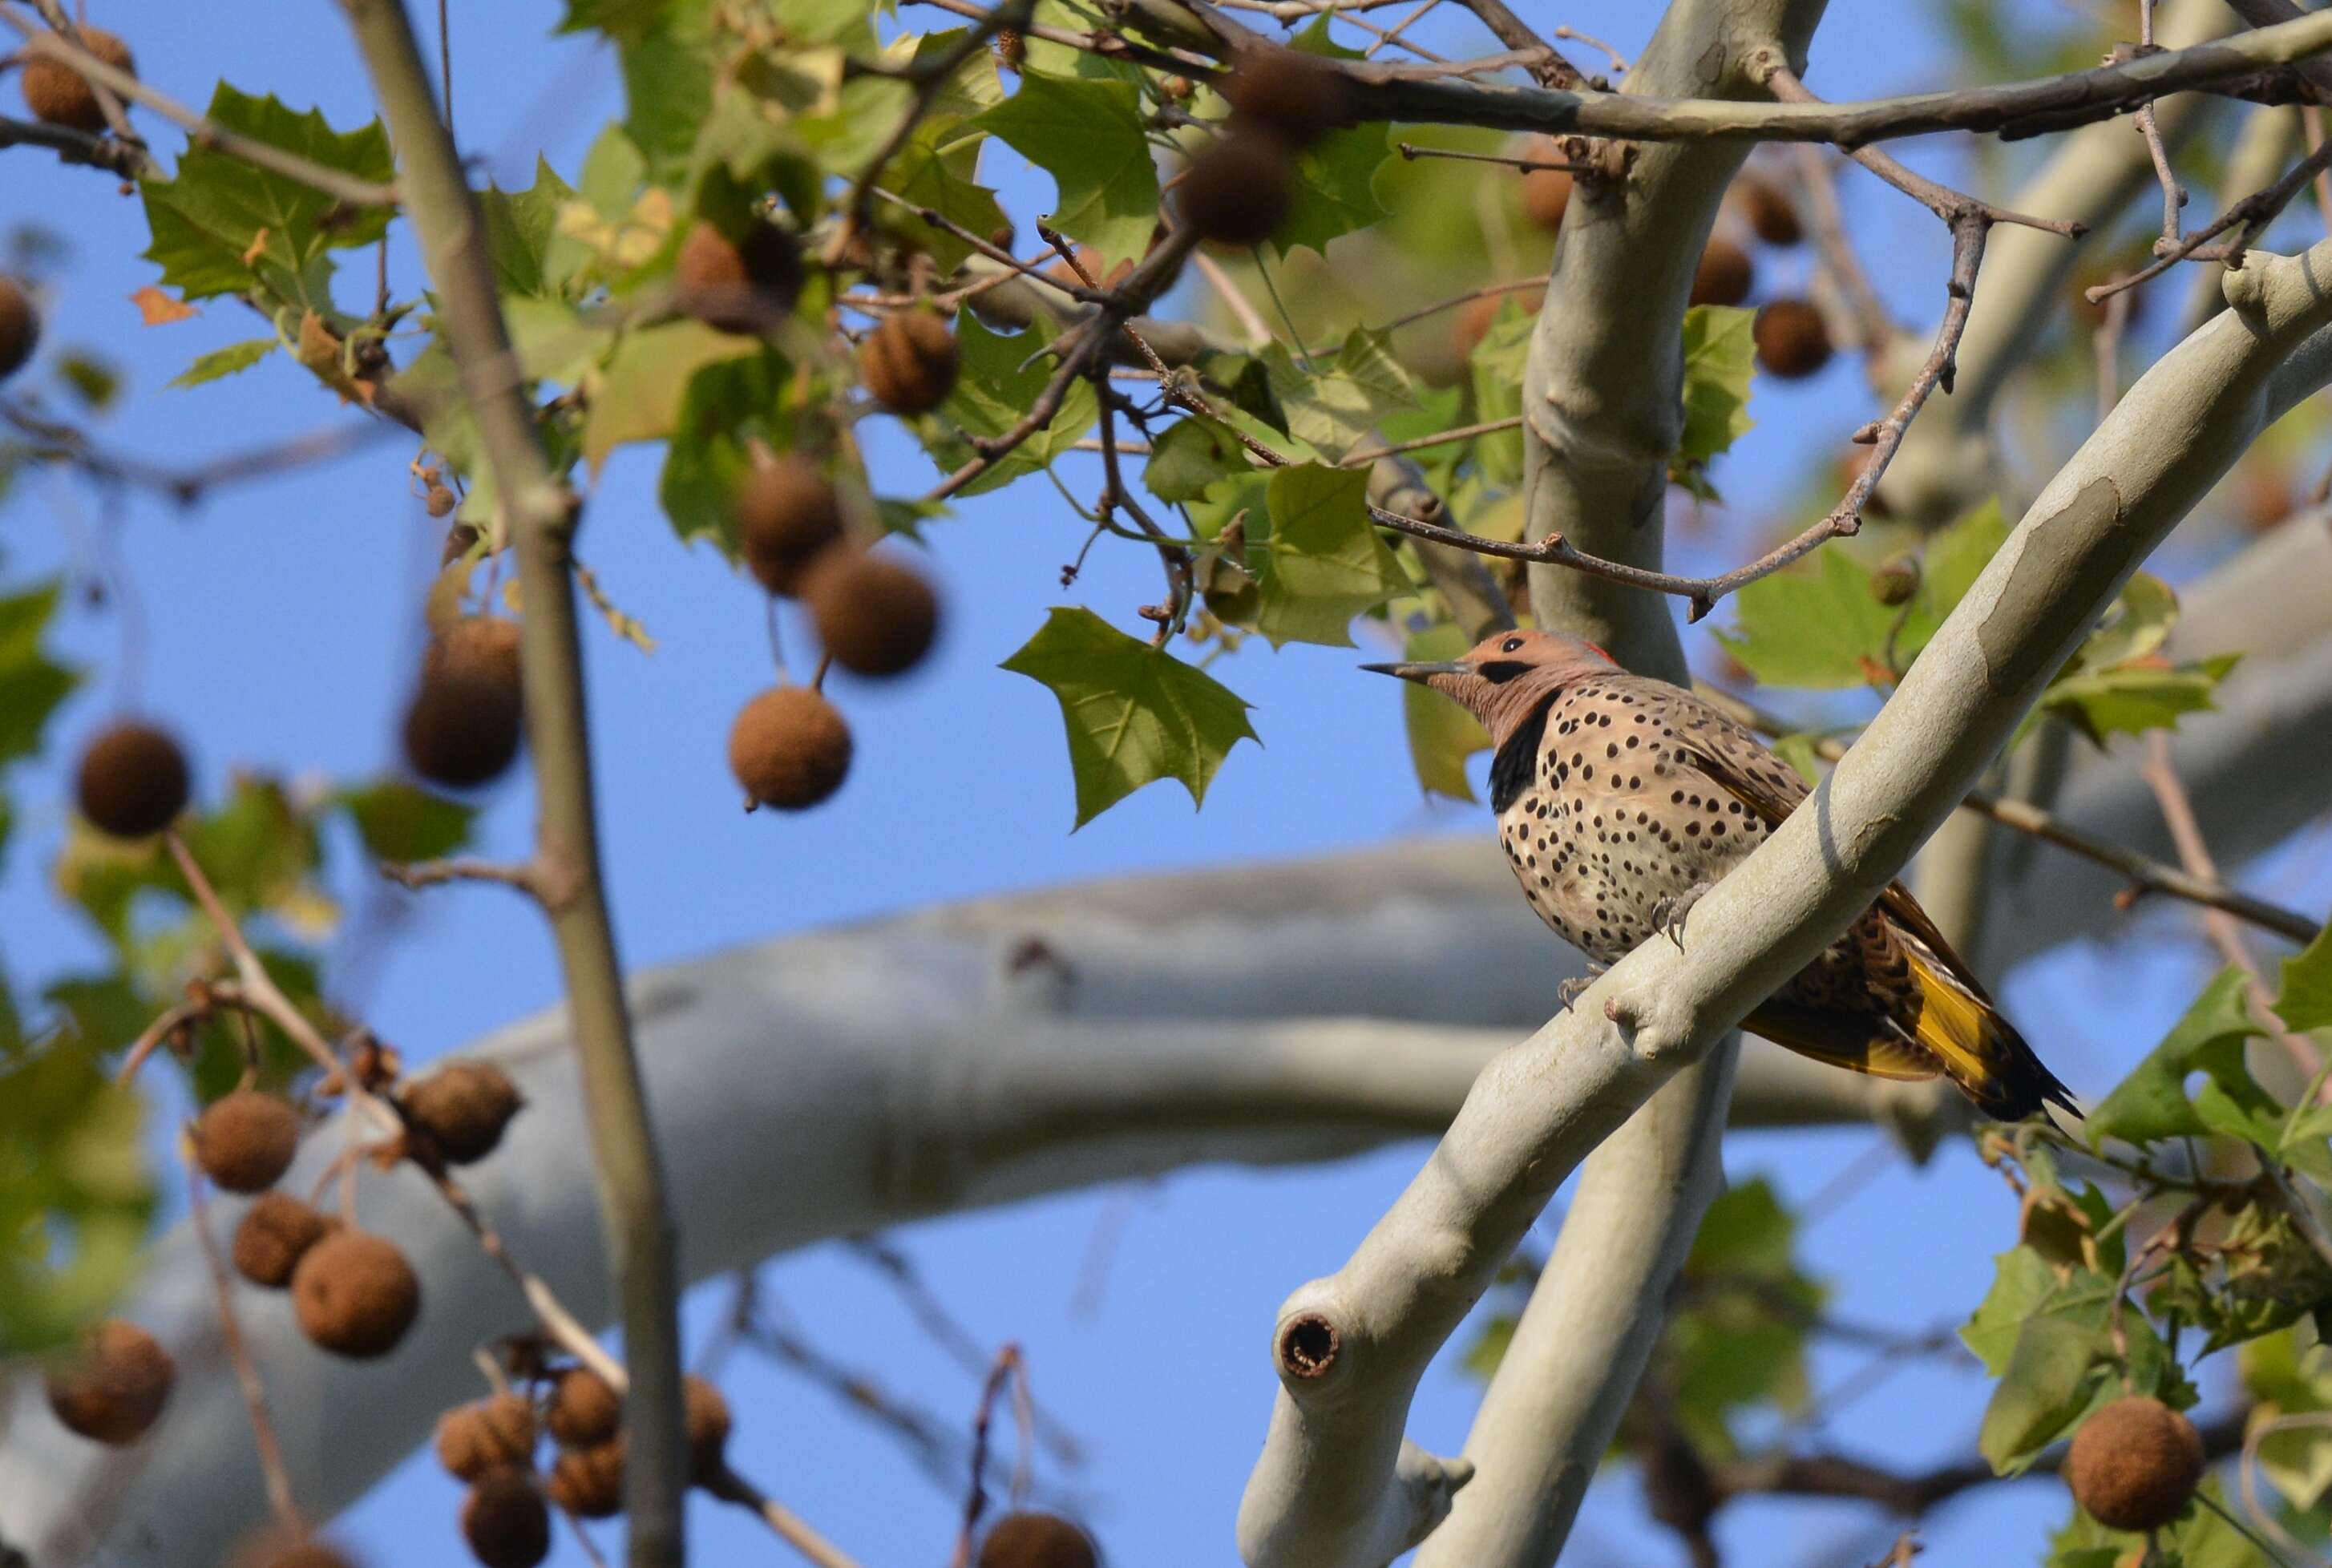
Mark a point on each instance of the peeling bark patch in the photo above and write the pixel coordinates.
(2060, 566)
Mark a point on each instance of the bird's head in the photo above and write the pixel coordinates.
(1504, 677)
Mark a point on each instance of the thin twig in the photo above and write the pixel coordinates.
(54, 441)
(1366, 455)
(783, 1522)
(2174, 195)
(2252, 215)
(522, 875)
(1006, 1365)
(1469, 297)
(266, 155)
(1520, 163)
(246, 1374)
(107, 153)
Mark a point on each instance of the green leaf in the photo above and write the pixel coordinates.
(93, 382)
(2046, 1383)
(231, 361)
(1496, 369)
(2021, 1281)
(1136, 713)
(399, 821)
(1815, 626)
(1089, 136)
(727, 408)
(1191, 454)
(1441, 734)
(2130, 699)
(531, 257)
(1954, 557)
(1719, 355)
(639, 396)
(31, 685)
(1736, 1336)
(1323, 563)
(219, 208)
(1335, 405)
(75, 1200)
(936, 169)
(1335, 188)
(2305, 1002)
(2286, 1381)
(2151, 1103)
(1000, 378)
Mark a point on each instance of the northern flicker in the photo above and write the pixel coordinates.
(1621, 800)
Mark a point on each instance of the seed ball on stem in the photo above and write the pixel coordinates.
(908, 363)
(1238, 191)
(589, 1482)
(506, 1522)
(20, 327)
(274, 1234)
(276, 1548)
(875, 615)
(116, 1385)
(1291, 95)
(743, 286)
(57, 95)
(1771, 215)
(1793, 342)
(355, 1294)
(1028, 1539)
(2134, 1464)
(245, 1140)
(787, 512)
(1545, 193)
(133, 780)
(585, 1410)
(473, 1441)
(463, 728)
(462, 1108)
(789, 748)
(705, 1415)
(1723, 276)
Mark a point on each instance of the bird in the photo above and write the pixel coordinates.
(1621, 800)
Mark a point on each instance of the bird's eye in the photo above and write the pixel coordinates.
(1512, 646)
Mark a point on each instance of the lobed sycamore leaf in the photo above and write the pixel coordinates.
(1136, 713)
(1091, 137)
(1322, 562)
(231, 361)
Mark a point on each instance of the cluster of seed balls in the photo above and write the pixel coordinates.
(1242, 186)
(491, 1444)
(56, 94)
(790, 747)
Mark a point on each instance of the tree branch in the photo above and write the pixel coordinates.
(540, 517)
(1336, 1484)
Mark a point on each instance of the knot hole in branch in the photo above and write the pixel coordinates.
(1308, 1345)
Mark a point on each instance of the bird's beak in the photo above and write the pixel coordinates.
(1424, 672)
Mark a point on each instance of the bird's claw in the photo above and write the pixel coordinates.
(1669, 912)
(1571, 989)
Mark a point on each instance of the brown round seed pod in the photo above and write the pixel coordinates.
(1104, 272)
(1793, 343)
(2134, 1464)
(789, 748)
(1895, 581)
(875, 615)
(1545, 193)
(20, 327)
(245, 1140)
(355, 1294)
(589, 1482)
(1472, 318)
(274, 1234)
(909, 362)
(1240, 189)
(114, 1386)
(1723, 276)
(1773, 217)
(1028, 1539)
(705, 1415)
(505, 1521)
(274, 1548)
(743, 286)
(440, 502)
(463, 1108)
(787, 512)
(1290, 94)
(475, 1439)
(584, 1410)
(2263, 497)
(462, 730)
(60, 95)
(133, 780)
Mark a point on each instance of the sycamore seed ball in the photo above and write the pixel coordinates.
(20, 327)
(705, 1415)
(475, 1440)
(2134, 1464)
(589, 1482)
(1792, 341)
(274, 1234)
(908, 363)
(1293, 96)
(1771, 215)
(585, 1410)
(58, 94)
(1723, 276)
(789, 748)
(1240, 189)
(1545, 193)
(787, 512)
(355, 1294)
(506, 1522)
(462, 730)
(463, 1108)
(133, 780)
(1032, 1540)
(245, 1140)
(115, 1385)
(1895, 580)
(275, 1549)
(742, 286)
(876, 616)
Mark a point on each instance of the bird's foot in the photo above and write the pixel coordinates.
(1571, 989)
(1669, 910)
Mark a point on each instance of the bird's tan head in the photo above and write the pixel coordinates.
(1504, 677)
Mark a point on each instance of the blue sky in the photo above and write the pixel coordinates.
(277, 623)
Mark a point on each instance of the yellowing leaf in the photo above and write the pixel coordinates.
(156, 308)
